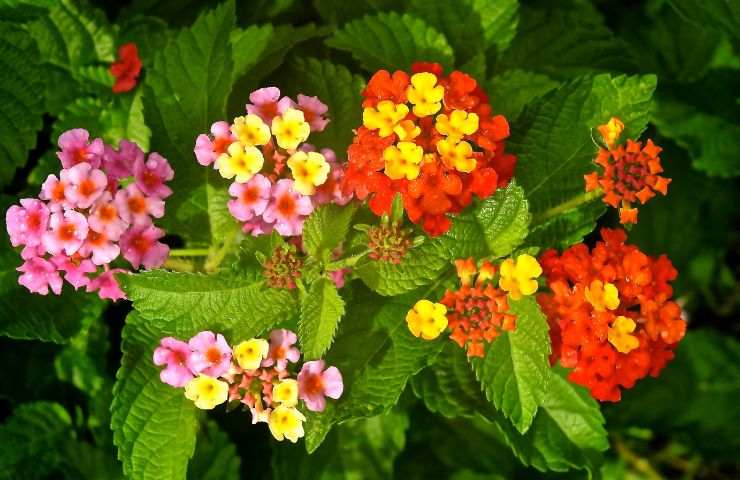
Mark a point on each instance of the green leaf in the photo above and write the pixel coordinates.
(421, 266)
(85, 461)
(248, 45)
(470, 25)
(512, 90)
(552, 140)
(720, 15)
(340, 90)
(341, 11)
(495, 227)
(515, 369)
(31, 437)
(215, 456)
(326, 229)
(21, 106)
(392, 41)
(24, 10)
(321, 310)
(185, 92)
(154, 425)
(190, 302)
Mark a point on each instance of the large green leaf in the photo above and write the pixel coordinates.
(392, 41)
(720, 15)
(24, 10)
(513, 90)
(227, 304)
(215, 456)
(321, 310)
(494, 227)
(21, 106)
(515, 368)
(552, 140)
(341, 11)
(154, 425)
(185, 92)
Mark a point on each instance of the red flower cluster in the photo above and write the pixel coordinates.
(630, 173)
(610, 314)
(126, 69)
(477, 311)
(434, 139)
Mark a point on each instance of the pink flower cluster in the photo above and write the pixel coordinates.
(85, 218)
(209, 354)
(269, 200)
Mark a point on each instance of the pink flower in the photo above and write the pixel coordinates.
(151, 175)
(86, 184)
(257, 226)
(315, 383)
(100, 246)
(39, 275)
(67, 233)
(76, 149)
(27, 223)
(75, 269)
(107, 286)
(140, 246)
(250, 198)
(207, 149)
(337, 276)
(55, 192)
(134, 207)
(313, 111)
(173, 353)
(267, 104)
(120, 163)
(287, 209)
(104, 218)
(282, 350)
(331, 190)
(210, 354)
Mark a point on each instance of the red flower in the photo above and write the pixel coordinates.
(126, 69)
(384, 86)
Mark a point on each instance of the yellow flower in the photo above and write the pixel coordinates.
(611, 131)
(240, 161)
(290, 129)
(457, 125)
(427, 320)
(602, 296)
(619, 334)
(384, 117)
(206, 392)
(251, 130)
(403, 160)
(286, 393)
(425, 94)
(407, 130)
(457, 155)
(518, 278)
(286, 422)
(249, 354)
(309, 171)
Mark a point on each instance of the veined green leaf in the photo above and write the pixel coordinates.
(326, 229)
(321, 311)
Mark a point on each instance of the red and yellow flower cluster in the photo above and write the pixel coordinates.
(630, 173)
(433, 139)
(610, 312)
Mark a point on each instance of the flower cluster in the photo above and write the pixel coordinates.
(255, 150)
(630, 173)
(254, 373)
(610, 314)
(126, 69)
(432, 138)
(86, 218)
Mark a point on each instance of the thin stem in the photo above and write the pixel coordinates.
(567, 205)
(179, 265)
(346, 262)
(216, 256)
(189, 252)
(637, 462)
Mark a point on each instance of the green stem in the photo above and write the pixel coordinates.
(217, 255)
(179, 265)
(347, 262)
(566, 206)
(189, 252)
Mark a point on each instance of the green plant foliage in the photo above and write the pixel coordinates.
(326, 229)
(215, 456)
(321, 310)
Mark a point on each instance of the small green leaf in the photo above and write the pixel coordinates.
(341, 11)
(215, 456)
(392, 41)
(24, 10)
(326, 229)
(720, 15)
(321, 310)
(512, 90)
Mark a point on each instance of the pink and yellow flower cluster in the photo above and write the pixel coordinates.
(98, 208)
(278, 178)
(254, 373)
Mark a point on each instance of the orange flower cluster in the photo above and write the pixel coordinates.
(610, 314)
(477, 311)
(434, 139)
(630, 173)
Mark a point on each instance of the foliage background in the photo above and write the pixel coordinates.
(61, 355)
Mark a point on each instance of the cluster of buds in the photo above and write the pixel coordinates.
(389, 241)
(100, 207)
(283, 267)
(610, 312)
(433, 139)
(630, 173)
(254, 373)
(255, 150)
